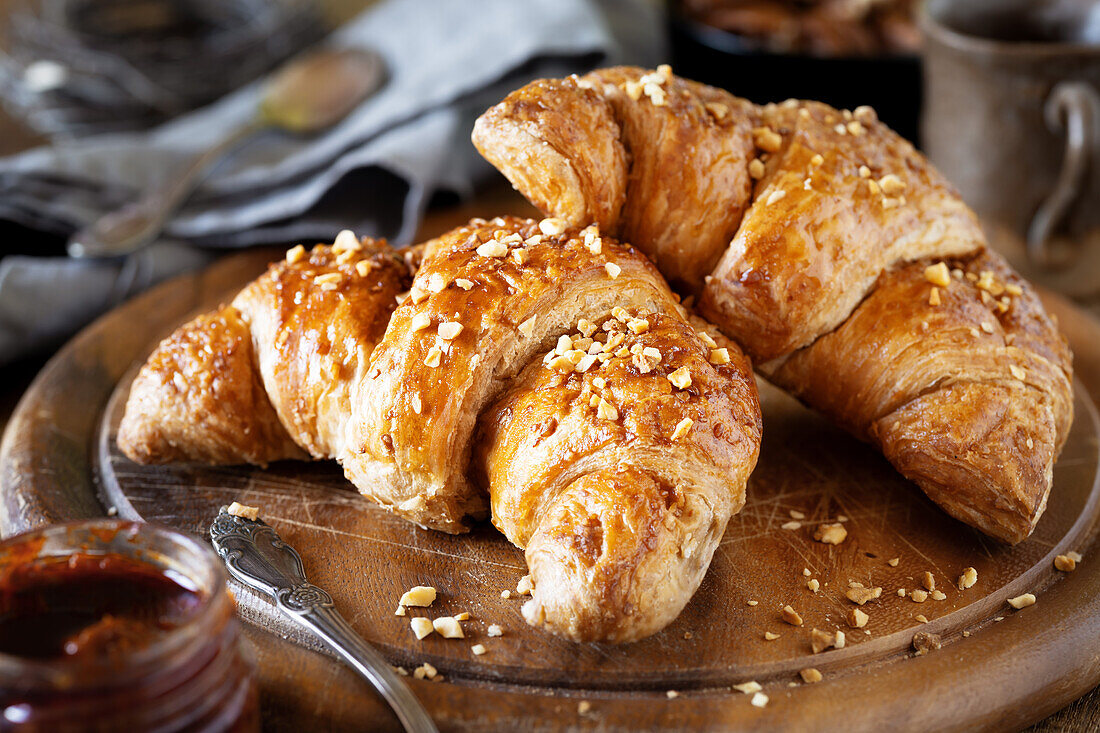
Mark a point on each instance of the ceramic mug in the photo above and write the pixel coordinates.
(1012, 118)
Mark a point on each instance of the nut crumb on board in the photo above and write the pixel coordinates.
(1027, 599)
(672, 694)
(494, 630)
(968, 578)
(830, 534)
(1065, 563)
(791, 616)
(583, 707)
(425, 671)
(810, 675)
(244, 511)
(822, 640)
(813, 584)
(918, 595)
(924, 642)
(928, 581)
(857, 619)
(860, 595)
(792, 525)
(893, 562)
(759, 700)
(422, 626)
(769, 636)
(748, 687)
(525, 586)
(939, 595)
(795, 514)
(448, 627)
(421, 596)
(478, 649)
(752, 603)
(922, 618)
(400, 611)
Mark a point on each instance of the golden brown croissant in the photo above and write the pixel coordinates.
(806, 233)
(616, 458)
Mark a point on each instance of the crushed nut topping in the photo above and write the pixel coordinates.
(435, 355)
(864, 172)
(363, 268)
(934, 296)
(1017, 372)
(528, 327)
(891, 185)
(822, 640)
(756, 169)
(346, 240)
(417, 405)
(492, 248)
(681, 378)
(938, 274)
(987, 326)
(328, 281)
(606, 411)
(857, 619)
(767, 139)
(817, 160)
(422, 626)
(810, 675)
(1065, 563)
(449, 330)
(719, 356)
(791, 616)
(717, 109)
(860, 595)
(464, 283)
(236, 509)
(295, 254)
(830, 534)
(613, 270)
(751, 603)
(520, 256)
(1027, 599)
(525, 586)
(638, 325)
(682, 428)
(855, 128)
(776, 195)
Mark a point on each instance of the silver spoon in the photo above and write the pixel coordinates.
(255, 556)
(308, 95)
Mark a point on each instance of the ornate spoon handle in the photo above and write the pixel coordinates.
(257, 557)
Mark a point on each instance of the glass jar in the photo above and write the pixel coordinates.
(154, 643)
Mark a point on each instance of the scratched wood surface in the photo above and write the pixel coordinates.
(1006, 674)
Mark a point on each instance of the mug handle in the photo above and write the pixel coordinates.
(1073, 106)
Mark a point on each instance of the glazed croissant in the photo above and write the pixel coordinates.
(829, 248)
(549, 373)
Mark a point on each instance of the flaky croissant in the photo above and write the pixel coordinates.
(550, 372)
(832, 251)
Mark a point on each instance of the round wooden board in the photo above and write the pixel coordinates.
(59, 462)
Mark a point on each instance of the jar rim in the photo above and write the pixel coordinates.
(145, 542)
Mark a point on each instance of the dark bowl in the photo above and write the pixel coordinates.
(890, 84)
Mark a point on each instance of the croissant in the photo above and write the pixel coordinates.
(545, 373)
(831, 250)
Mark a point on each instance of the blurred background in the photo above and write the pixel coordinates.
(143, 138)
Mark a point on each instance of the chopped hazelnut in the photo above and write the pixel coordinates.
(494, 630)
(938, 595)
(493, 248)
(719, 356)
(759, 700)
(791, 616)
(767, 139)
(464, 283)
(363, 267)
(756, 169)
(607, 411)
(528, 327)
(928, 581)
(506, 594)
(861, 595)
(478, 649)
(830, 534)
(810, 675)
(769, 636)
(400, 611)
(795, 514)
(922, 618)
(448, 330)
(464, 616)
(776, 195)
(295, 255)
(891, 185)
(1065, 563)
(792, 525)
(525, 586)
(938, 274)
(244, 511)
(817, 159)
(893, 562)
(682, 428)
(551, 226)
(857, 619)
(613, 270)
(681, 378)
(924, 642)
(822, 640)
(425, 671)
(420, 595)
(1027, 599)
(583, 707)
(919, 596)
(422, 626)
(434, 356)
(1017, 372)
(968, 578)
(448, 627)
(934, 296)
(748, 688)
(813, 584)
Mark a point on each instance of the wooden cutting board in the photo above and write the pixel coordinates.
(998, 667)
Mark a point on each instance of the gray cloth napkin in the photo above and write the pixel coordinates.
(447, 61)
